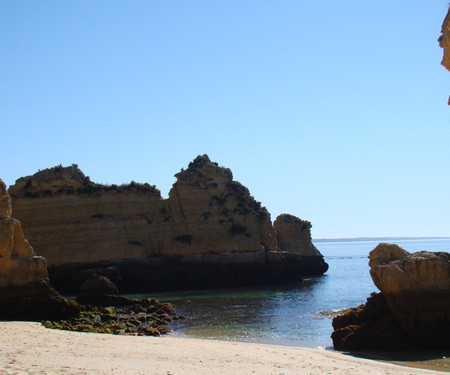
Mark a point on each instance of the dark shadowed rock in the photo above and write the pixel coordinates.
(98, 290)
(369, 326)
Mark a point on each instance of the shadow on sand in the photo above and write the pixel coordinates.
(438, 360)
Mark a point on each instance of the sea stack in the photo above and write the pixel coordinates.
(210, 232)
(412, 310)
(25, 292)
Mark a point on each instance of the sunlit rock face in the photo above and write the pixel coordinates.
(412, 310)
(25, 293)
(294, 236)
(396, 271)
(210, 232)
(18, 265)
(444, 42)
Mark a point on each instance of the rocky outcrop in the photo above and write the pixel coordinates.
(25, 293)
(444, 42)
(369, 326)
(146, 317)
(417, 291)
(294, 236)
(210, 232)
(415, 295)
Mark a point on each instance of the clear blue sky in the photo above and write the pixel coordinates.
(334, 111)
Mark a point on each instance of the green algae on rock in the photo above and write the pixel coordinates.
(148, 317)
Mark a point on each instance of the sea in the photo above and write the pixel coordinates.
(289, 314)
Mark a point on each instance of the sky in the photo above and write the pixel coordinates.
(333, 111)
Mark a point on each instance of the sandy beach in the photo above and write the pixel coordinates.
(29, 348)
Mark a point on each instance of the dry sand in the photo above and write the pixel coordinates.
(29, 348)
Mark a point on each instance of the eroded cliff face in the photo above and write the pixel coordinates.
(25, 293)
(208, 219)
(18, 264)
(294, 235)
(69, 219)
(444, 42)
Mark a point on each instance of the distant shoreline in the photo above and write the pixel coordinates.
(348, 239)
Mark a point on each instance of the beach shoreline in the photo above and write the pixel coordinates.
(29, 348)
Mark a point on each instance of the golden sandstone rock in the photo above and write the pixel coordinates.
(444, 42)
(25, 292)
(18, 265)
(209, 231)
(294, 235)
(396, 271)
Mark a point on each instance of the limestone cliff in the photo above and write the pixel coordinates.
(444, 42)
(25, 293)
(208, 219)
(18, 265)
(412, 309)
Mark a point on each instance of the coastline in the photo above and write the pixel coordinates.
(29, 348)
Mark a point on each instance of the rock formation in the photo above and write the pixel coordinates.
(25, 293)
(294, 236)
(444, 42)
(210, 232)
(412, 310)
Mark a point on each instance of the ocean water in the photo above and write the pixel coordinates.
(288, 314)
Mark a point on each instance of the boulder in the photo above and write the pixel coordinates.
(98, 290)
(417, 290)
(412, 310)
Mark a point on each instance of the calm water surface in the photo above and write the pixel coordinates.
(288, 314)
